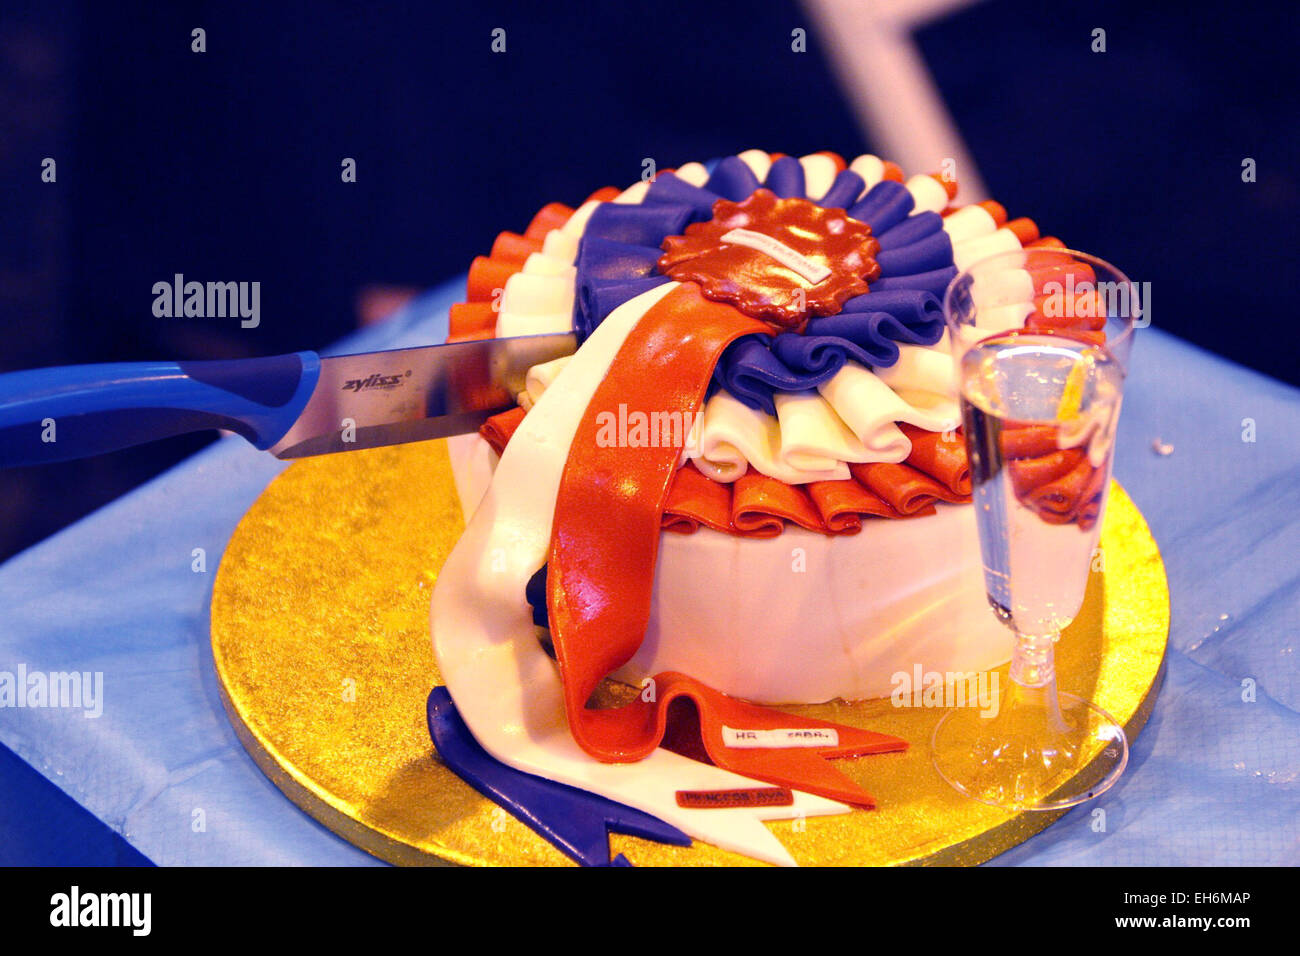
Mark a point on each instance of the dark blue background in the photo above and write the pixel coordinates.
(225, 166)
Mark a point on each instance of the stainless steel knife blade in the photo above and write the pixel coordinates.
(404, 395)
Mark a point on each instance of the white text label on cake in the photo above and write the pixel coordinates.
(782, 253)
(780, 738)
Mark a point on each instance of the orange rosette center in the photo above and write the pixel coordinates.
(778, 260)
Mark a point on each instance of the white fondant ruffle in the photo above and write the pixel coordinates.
(970, 251)
(577, 223)
(927, 193)
(733, 436)
(870, 407)
(557, 245)
(921, 369)
(540, 264)
(540, 377)
(634, 193)
(969, 222)
(815, 435)
(534, 304)
(693, 173)
(757, 161)
(870, 168)
(818, 173)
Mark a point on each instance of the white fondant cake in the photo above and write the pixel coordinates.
(801, 617)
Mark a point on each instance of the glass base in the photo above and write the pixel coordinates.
(1031, 757)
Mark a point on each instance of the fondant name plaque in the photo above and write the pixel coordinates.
(780, 737)
(728, 799)
(812, 271)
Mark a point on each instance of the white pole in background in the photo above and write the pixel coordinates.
(889, 87)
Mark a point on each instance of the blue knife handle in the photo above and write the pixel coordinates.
(56, 414)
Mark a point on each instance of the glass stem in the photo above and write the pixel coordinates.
(1033, 679)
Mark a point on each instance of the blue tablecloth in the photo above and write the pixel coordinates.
(1214, 778)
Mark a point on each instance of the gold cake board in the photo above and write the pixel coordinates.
(320, 636)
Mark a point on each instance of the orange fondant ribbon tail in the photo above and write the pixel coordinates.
(604, 544)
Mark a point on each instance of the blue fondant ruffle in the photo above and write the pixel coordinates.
(606, 259)
(884, 206)
(753, 369)
(597, 298)
(785, 178)
(671, 188)
(875, 334)
(733, 179)
(750, 372)
(844, 191)
(638, 224)
(912, 229)
(816, 358)
(916, 309)
(935, 282)
(924, 255)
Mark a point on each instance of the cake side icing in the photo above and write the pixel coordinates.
(737, 614)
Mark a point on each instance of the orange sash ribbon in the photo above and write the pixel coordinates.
(604, 543)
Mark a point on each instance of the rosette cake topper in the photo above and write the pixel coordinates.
(778, 260)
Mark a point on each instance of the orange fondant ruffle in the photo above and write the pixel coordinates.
(1076, 329)
(498, 429)
(757, 506)
(512, 247)
(843, 504)
(760, 506)
(906, 489)
(942, 459)
(487, 278)
(1025, 229)
(551, 216)
(1030, 473)
(471, 336)
(694, 499)
(467, 319)
(836, 158)
(1074, 496)
(1048, 242)
(1085, 310)
(1061, 496)
(476, 318)
(1028, 441)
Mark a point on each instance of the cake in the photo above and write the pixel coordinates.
(747, 487)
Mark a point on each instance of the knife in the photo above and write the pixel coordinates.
(292, 405)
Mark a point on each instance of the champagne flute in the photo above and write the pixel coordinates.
(1040, 339)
